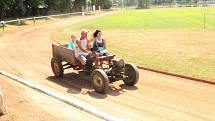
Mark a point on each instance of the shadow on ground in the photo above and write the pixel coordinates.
(76, 83)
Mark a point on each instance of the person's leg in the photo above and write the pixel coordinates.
(89, 62)
(85, 62)
(90, 59)
(82, 59)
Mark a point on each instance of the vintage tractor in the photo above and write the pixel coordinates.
(102, 69)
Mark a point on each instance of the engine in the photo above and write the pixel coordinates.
(116, 70)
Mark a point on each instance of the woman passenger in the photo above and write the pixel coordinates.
(99, 44)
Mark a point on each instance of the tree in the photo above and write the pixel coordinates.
(34, 3)
(143, 3)
(66, 5)
(105, 4)
(17, 8)
(59, 6)
(33, 6)
(78, 4)
(130, 2)
(11, 8)
(3, 8)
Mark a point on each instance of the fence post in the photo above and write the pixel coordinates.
(18, 21)
(99, 8)
(34, 19)
(3, 25)
(94, 7)
(46, 18)
(83, 13)
(82, 10)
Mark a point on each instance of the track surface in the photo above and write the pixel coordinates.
(26, 104)
(27, 52)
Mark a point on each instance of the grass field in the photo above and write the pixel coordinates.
(171, 39)
(152, 18)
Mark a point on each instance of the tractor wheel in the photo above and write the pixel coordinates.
(133, 74)
(100, 81)
(57, 67)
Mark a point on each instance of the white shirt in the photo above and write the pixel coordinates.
(78, 51)
(99, 40)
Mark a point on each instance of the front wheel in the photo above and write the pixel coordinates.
(100, 81)
(132, 74)
(57, 67)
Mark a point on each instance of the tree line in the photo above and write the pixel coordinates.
(25, 8)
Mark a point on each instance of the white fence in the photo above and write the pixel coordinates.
(18, 21)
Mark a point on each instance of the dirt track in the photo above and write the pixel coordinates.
(27, 53)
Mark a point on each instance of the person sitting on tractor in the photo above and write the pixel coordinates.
(99, 44)
(72, 43)
(83, 48)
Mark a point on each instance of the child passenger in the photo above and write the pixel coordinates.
(72, 42)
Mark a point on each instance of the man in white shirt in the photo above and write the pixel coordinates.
(83, 47)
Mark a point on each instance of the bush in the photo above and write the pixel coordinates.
(143, 3)
(105, 4)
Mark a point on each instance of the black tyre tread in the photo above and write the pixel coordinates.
(59, 63)
(136, 74)
(104, 78)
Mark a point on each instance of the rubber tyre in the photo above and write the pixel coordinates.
(133, 74)
(57, 67)
(100, 81)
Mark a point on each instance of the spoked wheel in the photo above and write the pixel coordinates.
(57, 67)
(100, 81)
(132, 74)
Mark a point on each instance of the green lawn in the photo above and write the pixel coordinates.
(171, 39)
(152, 18)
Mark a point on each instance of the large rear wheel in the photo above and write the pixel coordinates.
(132, 74)
(100, 81)
(57, 67)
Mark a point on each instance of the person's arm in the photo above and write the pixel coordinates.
(105, 44)
(88, 45)
(79, 45)
(95, 48)
(69, 45)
